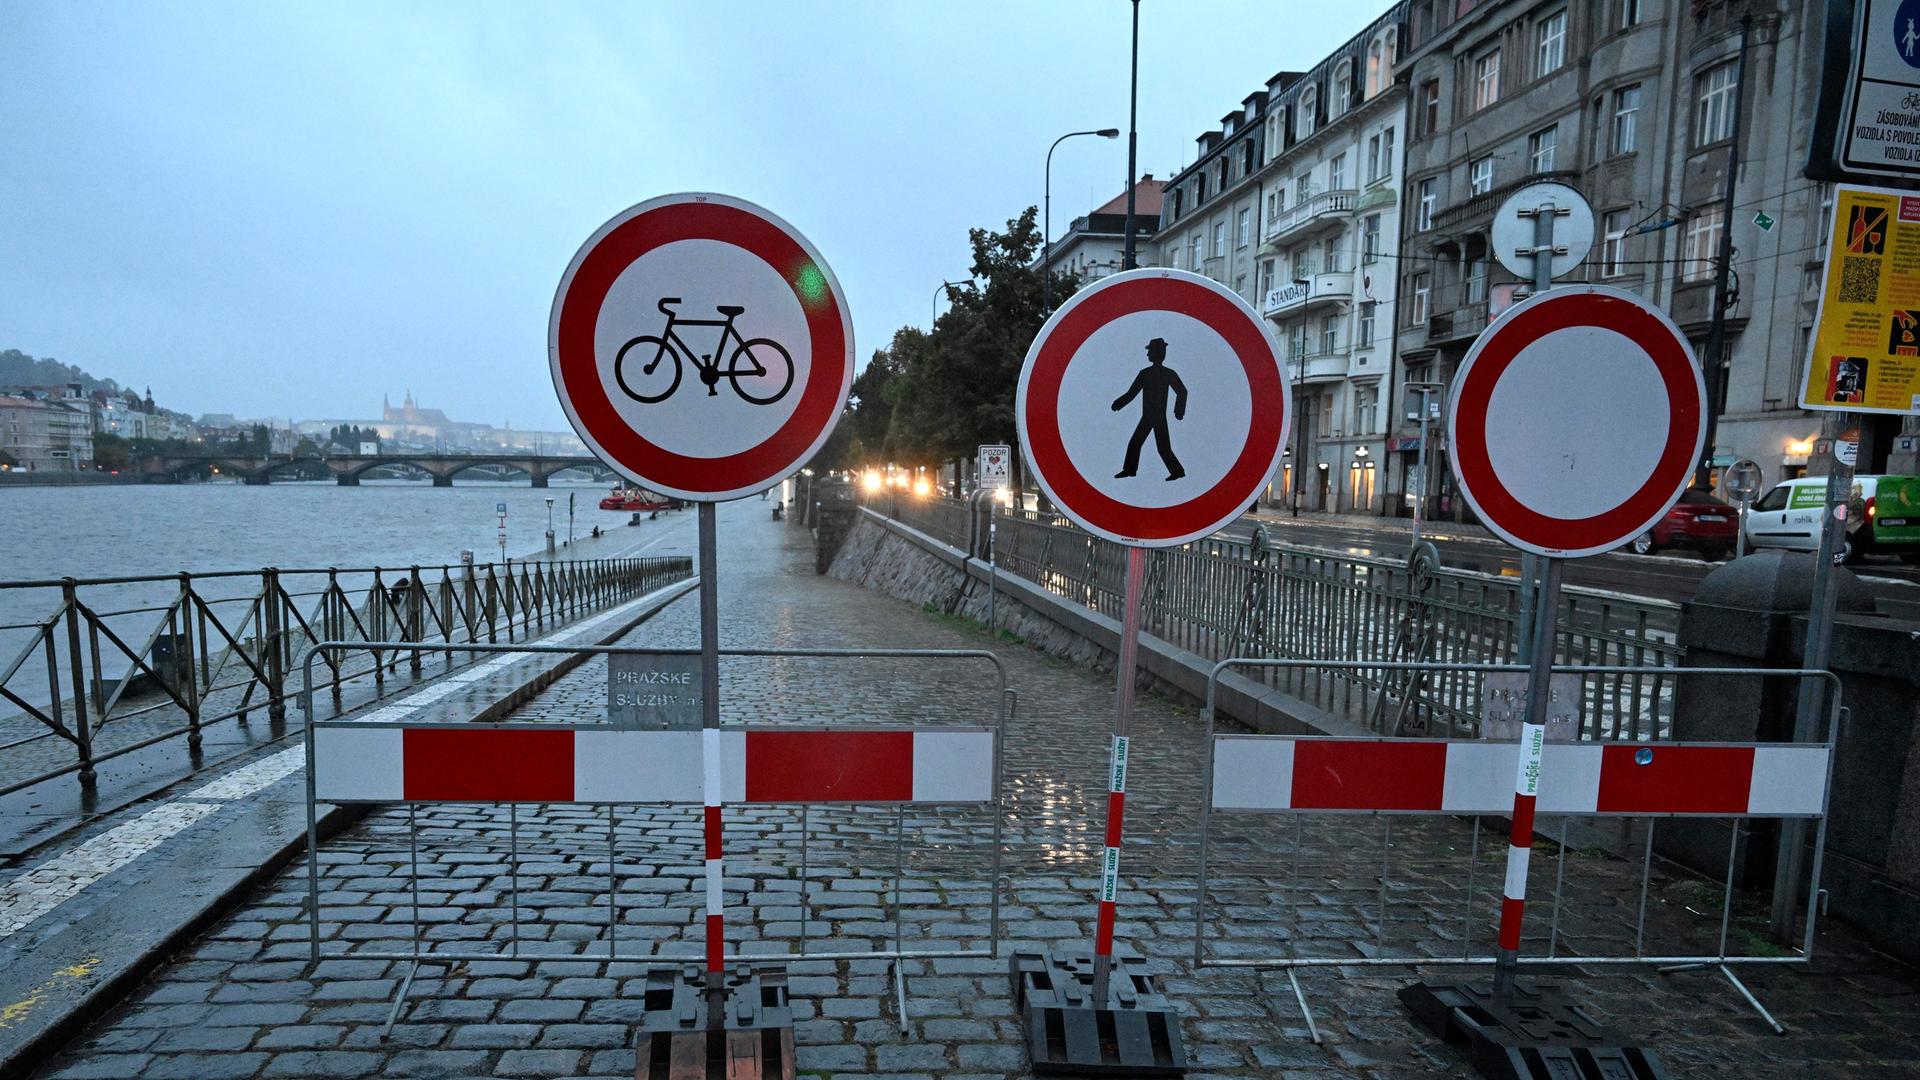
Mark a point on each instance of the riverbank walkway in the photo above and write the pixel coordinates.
(239, 1000)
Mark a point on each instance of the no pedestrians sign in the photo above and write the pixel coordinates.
(1153, 407)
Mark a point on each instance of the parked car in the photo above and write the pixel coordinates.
(1698, 522)
(1883, 517)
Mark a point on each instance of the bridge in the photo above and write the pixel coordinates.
(347, 469)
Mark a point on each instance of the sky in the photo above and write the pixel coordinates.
(288, 209)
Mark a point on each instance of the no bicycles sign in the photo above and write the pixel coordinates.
(701, 346)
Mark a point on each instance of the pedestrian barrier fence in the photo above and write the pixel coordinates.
(602, 766)
(118, 664)
(1302, 776)
(1227, 597)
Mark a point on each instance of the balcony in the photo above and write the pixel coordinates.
(1319, 367)
(1475, 211)
(1456, 323)
(1320, 211)
(1317, 290)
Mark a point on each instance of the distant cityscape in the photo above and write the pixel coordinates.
(79, 423)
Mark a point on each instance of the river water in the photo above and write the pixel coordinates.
(115, 531)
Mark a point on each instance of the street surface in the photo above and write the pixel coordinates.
(241, 1002)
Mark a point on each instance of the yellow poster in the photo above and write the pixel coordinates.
(1866, 340)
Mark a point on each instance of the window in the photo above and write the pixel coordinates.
(1329, 255)
(1329, 333)
(1550, 43)
(1713, 119)
(1373, 157)
(1302, 187)
(1266, 274)
(1240, 284)
(1245, 232)
(1365, 323)
(1629, 11)
(1219, 238)
(1337, 172)
(1273, 204)
(1297, 339)
(1280, 199)
(1427, 107)
(1307, 103)
(1701, 247)
(1373, 69)
(1386, 154)
(1342, 92)
(1299, 265)
(1482, 176)
(1393, 50)
(1420, 288)
(1613, 248)
(1366, 409)
(1540, 147)
(1476, 272)
(1486, 80)
(1370, 238)
(1193, 261)
(1428, 199)
(1200, 189)
(1626, 116)
(1246, 158)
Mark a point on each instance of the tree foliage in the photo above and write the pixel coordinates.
(19, 369)
(930, 397)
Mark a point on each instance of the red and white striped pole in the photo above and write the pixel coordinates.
(1117, 772)
(1526, 778)
(711, 770)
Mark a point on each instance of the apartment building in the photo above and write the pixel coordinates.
(1095, 244)
(41, 435)
(1330, 210)
(1633, 102)
(1210, 213)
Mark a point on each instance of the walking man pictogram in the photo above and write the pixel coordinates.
(1909, 38)
(1151, 387)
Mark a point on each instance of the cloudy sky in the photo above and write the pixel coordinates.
(281, 209)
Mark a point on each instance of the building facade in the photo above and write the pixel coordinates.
(1636, 103)
(44, 435)
(1094, 246)
(1330, 212)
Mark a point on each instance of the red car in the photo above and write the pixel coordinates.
(1698, 522)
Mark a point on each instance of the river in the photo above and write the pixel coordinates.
(128, 530)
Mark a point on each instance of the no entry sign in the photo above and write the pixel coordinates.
(1577, 419)
(1153, 407)
(701, 346)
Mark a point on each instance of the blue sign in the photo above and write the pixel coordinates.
(499, 508)
(1906, 32)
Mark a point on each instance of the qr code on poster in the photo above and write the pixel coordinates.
(1859, 280)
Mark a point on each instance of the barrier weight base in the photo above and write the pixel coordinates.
(1135, 1032)
(679, 1038)
(1537, 1035)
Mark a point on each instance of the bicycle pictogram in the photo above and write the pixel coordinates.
(752, 360)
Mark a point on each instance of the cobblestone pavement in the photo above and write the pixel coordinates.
(241, 1002)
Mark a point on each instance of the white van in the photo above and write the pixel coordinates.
(1789, 517)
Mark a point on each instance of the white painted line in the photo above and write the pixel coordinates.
(28, 897)
(59, 879)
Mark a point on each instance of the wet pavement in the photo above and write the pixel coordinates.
(241, 1000)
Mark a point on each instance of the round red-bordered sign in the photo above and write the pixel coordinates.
(1576, 420)
(1194, 434)
(701, 346)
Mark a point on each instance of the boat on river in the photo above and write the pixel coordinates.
(631, 498)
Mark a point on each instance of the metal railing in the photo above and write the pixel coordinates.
(109, 656)
(1222, 597)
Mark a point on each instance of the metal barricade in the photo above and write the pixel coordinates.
(603, 765)
(1395, 778)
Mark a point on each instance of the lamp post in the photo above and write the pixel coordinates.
(550, 551)
(1046, 213)
(944, 286)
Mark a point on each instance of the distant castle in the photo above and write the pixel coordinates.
(410, 424)
(412, 414)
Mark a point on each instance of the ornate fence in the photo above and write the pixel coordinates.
(1223, 597)
(110, 657)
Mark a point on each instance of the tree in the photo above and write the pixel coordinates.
(110, 451)
(306, 448)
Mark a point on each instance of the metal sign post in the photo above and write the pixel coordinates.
(710, 773)
(1427, 391)
(1743, 483)
(1154, 373)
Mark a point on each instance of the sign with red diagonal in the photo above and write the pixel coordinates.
(701, 346)
(1153, 407)
(1576, 420)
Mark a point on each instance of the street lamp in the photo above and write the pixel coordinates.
(550, 527)
(944, 286)
(1046, 212)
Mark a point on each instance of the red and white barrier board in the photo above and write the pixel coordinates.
(1455, 776)
(357, 762)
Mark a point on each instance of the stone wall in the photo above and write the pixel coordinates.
(909, 565)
